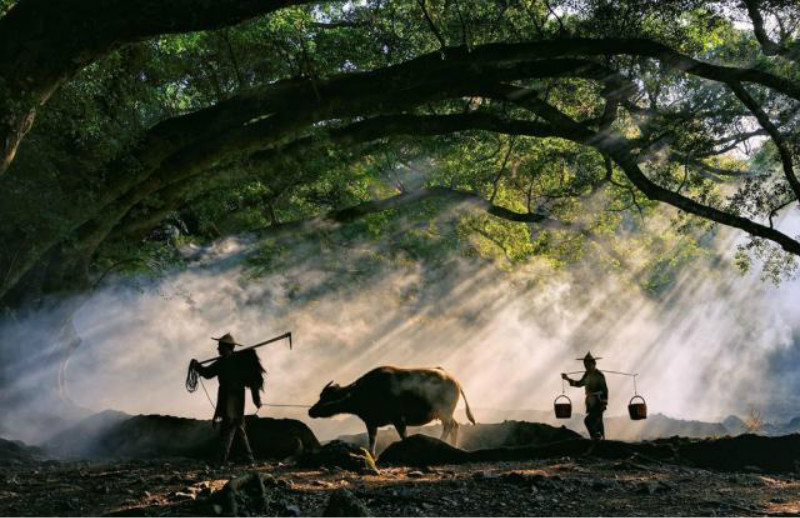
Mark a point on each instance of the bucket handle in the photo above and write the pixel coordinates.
(637, 396)
(564, 396)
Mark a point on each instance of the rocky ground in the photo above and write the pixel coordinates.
(581, 486)
(508, 469)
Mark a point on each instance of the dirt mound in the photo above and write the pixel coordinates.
(741, 453)
(509, 434)
(422, 450)
(147, 436)
(17, 453)
(744, 452)
(82, 439)
(480, 436)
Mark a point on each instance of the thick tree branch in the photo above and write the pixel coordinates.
(618, 148)
(43, 43)
(173, 195)
(763, 119)
(460, 198)
(769, 47)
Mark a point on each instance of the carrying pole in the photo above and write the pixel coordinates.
(607, 371)
(265, 342)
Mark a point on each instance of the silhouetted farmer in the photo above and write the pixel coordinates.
(236, 372)
(596, 395)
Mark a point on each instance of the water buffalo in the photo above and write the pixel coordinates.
(400, 397)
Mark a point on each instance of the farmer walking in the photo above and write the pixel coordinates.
(596, 395)
(236, 372)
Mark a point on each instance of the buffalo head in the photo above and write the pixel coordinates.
(329, 401)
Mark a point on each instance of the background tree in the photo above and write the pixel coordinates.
(556, 124)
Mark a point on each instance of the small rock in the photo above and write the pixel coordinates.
(345, 503)
(244, 496)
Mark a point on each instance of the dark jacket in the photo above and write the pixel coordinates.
(596, 389)
(234, 373)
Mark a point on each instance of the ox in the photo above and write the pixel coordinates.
(400, 397)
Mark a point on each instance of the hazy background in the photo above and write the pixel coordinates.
(713, 344)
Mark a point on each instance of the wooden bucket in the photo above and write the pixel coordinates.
(638, 410)
(563, 409)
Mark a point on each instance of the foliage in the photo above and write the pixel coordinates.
(677, 123)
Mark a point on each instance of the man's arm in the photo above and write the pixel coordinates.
(575, 383)
(206, 372)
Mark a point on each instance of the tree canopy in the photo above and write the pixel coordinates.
(555, 124)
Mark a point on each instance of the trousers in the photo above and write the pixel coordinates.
(230, 429)
(594, 423)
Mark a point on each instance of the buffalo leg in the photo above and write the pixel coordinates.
(445, 429)
(454, 432)
(372, 431)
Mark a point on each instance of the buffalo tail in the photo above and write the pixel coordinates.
(469, 412)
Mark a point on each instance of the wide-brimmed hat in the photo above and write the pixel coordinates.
(589, 357)
(227, 338)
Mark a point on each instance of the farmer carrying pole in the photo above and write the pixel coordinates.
(236, 371)
(596, 395)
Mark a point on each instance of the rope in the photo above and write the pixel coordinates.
(191, 380)
(191, 385)
(207, 396)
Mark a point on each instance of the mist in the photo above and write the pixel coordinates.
(714, 343)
